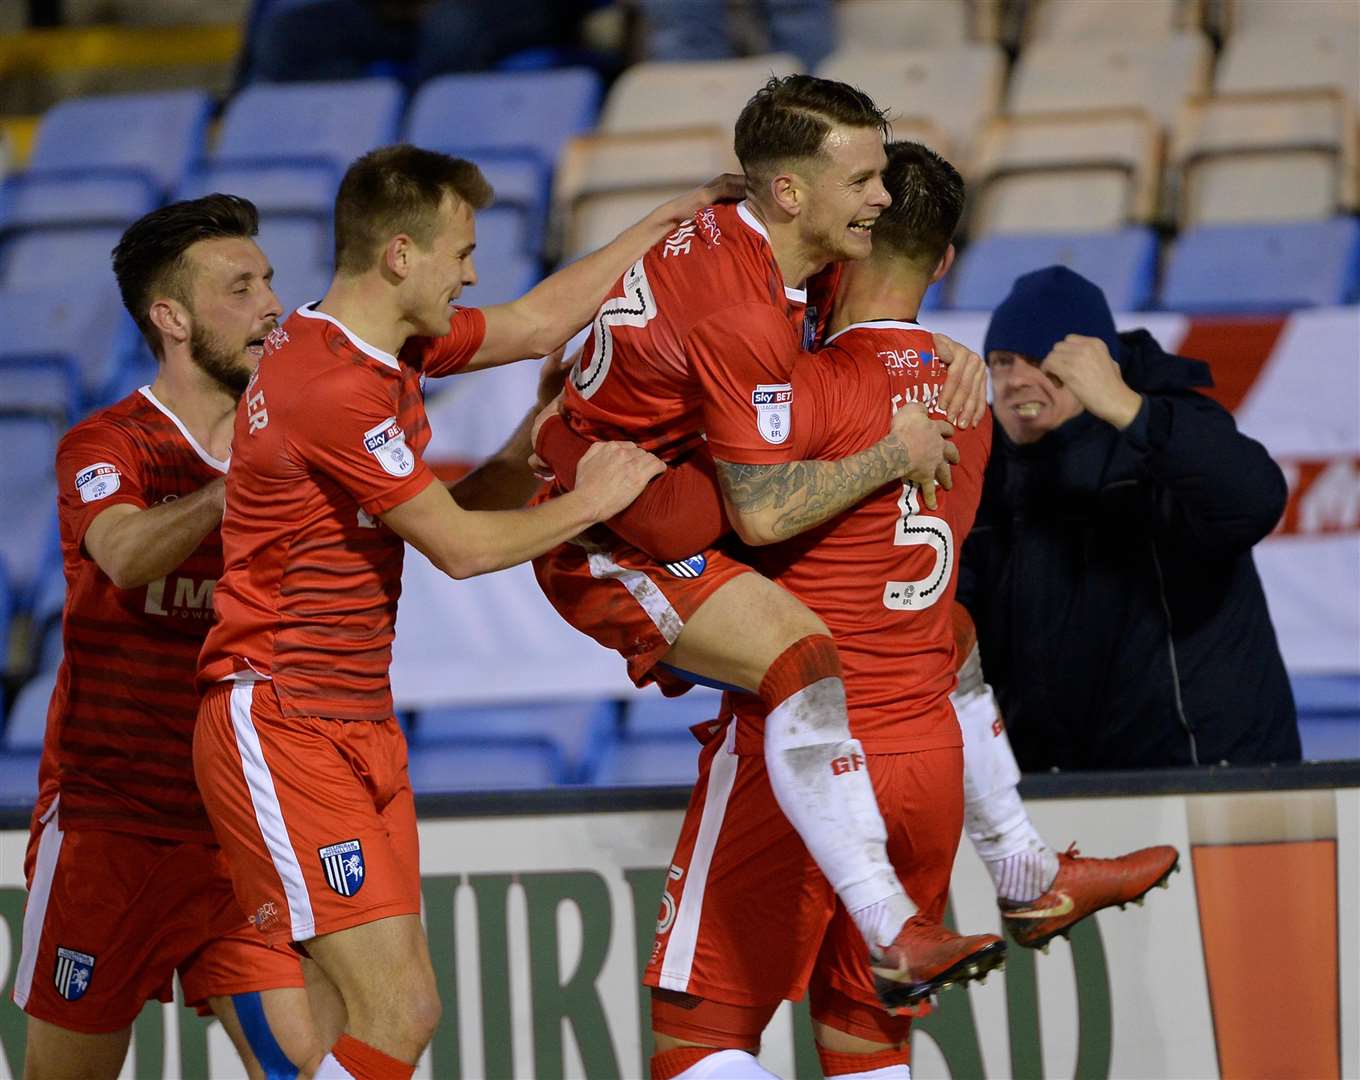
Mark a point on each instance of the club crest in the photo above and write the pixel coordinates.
(344, 866)
(387, 443)
(688, 568)
(98, 481)
(774, 410)
(73, 973)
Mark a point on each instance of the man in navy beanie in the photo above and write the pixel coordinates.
(1119, 613)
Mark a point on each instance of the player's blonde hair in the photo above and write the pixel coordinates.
(398, 189)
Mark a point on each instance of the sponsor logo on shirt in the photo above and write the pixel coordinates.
(773, 403)
(275, 340)
(73, 973)
(98, 481)
(678, 243)
(344, 866)
(708, 222)
(687, 568)
(387, 443)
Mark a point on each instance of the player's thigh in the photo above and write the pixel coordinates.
(55, 1053)
(379, 967)
(740, 630)
(744, 906)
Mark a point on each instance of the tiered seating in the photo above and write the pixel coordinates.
(1080, 21)
(70, 328)
(28, 540)
(903, 24)
(656, 96)
(1309, 56)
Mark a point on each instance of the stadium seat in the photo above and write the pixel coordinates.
(153, 136)
(41, 385)
(526, 113)
(572, 727)
(485, 764)
(1245, 16)
(1304, 57)
(957, 88)
(902, 24)
(1286, 156)
(503, 231)
(300, 287)
(1329, 716)
(274, 189)
(1066, 173)
(521, 186)
(298, 248)
(597, 219)
(27, 719)
(1076, 20)
(663, 95)
(502, 278)
(34, 201)
(71, 327)
(28, 446)
(1123, 264)
(649, 760)
(652, 714)
(19, 780)
(1234, 268)
(1152, 74)
(35, 258)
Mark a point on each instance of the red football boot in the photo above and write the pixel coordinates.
(925, 958)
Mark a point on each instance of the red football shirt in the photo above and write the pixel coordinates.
(119, 743)
(698, 336)
(882, 576)
(329, 436)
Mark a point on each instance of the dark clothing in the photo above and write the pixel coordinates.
(1120, 616)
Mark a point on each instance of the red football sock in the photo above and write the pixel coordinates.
(366, 1062)
(837, 1064)
(806, 661)
(671, 1063)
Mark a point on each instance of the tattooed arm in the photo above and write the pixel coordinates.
(770, 503)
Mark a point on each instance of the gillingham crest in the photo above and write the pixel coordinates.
(344, 866)
(773, 403)
(73, 973)
(387, 443)
(688, 568)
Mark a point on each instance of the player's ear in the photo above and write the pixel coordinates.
(944, 265)
(787, 192)
(171, 318)
(396, 256)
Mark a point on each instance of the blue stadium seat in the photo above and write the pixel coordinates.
(1273, 267)
(40, 384)
(298, 287)
(520, 184)
(28, 446)
(501, 279)
(503, 230)
(484, 764)
(570, 726)
(298, 248)
(1123, 264)
(1329, 715)
(529, 113)
(71, 326)
(35, 201)
(36, 258)
(27, 719)
(19, 779)
(652, 714)
(648, 760)
(274, 189)
(153, 136)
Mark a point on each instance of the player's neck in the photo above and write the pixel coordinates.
(873, 289)
(366, 309)
(202, 404)
(796, 263)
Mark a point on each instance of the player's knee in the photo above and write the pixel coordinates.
(843, 1024)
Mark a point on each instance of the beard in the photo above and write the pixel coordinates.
(219, 363)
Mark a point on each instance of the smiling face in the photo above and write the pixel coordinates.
(438, 275)
(843, 194)
(231, 306)
(1027, 403)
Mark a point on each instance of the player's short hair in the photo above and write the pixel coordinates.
(789, 119)
(927, 202)
(149, 259)
(399, 189)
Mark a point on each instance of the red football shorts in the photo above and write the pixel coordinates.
(748, 919)
(630, 603)
(315, 816)
(111, 917)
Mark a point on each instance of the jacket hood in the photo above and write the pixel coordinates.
(1148, 367)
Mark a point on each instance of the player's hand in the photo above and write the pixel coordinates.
(613, 474)
(729, 187)
(926, 449)
(1084, 365)
(964, 396)
(536, 463)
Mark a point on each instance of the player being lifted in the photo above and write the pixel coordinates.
(125, 884)
(300, 759)
(697, 340)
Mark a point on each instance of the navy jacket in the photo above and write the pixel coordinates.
(1120, 616)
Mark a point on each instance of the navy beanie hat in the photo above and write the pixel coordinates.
(1045, 306)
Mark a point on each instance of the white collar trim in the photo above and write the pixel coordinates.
(876, 324)
(307, 311)
(798, 296)
(220, 466)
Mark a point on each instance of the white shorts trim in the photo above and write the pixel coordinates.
(678, 961)
(35, 913)
(642, 589)
(269, 814)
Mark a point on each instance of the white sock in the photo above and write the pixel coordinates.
(821, 781)
(330, 1069)
(888, 1072)
(726, 1065)
(1022, 866)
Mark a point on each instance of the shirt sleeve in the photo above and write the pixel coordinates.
(348, 431)
(822, 427)
(98, 465)
(447, 355)
(742, 357)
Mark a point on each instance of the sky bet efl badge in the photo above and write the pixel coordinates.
(344, 866)
(73, 974)
(387, 443)
(97, 481)
(774, 409)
